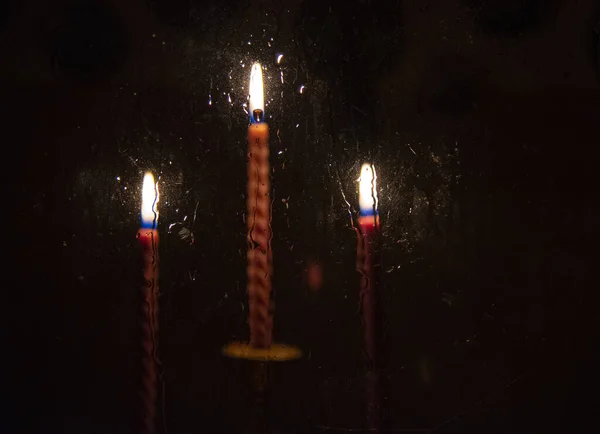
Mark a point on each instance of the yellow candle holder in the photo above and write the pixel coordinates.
(275, 353)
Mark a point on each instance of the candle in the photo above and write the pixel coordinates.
(369, 230)
(369, 227)
(148, 238)
(259, 215)
(259, 256)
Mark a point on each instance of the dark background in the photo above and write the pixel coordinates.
(481, 118)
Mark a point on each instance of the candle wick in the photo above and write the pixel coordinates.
(258, 115)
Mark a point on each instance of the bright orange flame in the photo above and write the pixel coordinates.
(257, 99)
(149, 201)
(367, 190)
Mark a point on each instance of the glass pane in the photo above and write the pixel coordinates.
(386, 231)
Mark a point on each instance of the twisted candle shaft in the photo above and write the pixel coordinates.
(149, 242)
(259, 236)
(364, 263)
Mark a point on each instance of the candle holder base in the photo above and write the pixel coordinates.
(276, 353)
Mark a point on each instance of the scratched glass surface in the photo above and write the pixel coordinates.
(457, 111)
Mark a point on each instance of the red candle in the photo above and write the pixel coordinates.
(148, 238)
(259, 215)
(259, 257)
(367, 241)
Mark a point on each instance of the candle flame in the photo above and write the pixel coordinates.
(367, 191)
(257, 99)
(149, 202)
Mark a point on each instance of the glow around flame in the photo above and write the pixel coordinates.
(367, 190)
(149, 202)
(257, 99)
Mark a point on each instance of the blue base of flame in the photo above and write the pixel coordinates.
(149, 224)
(368, 212)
